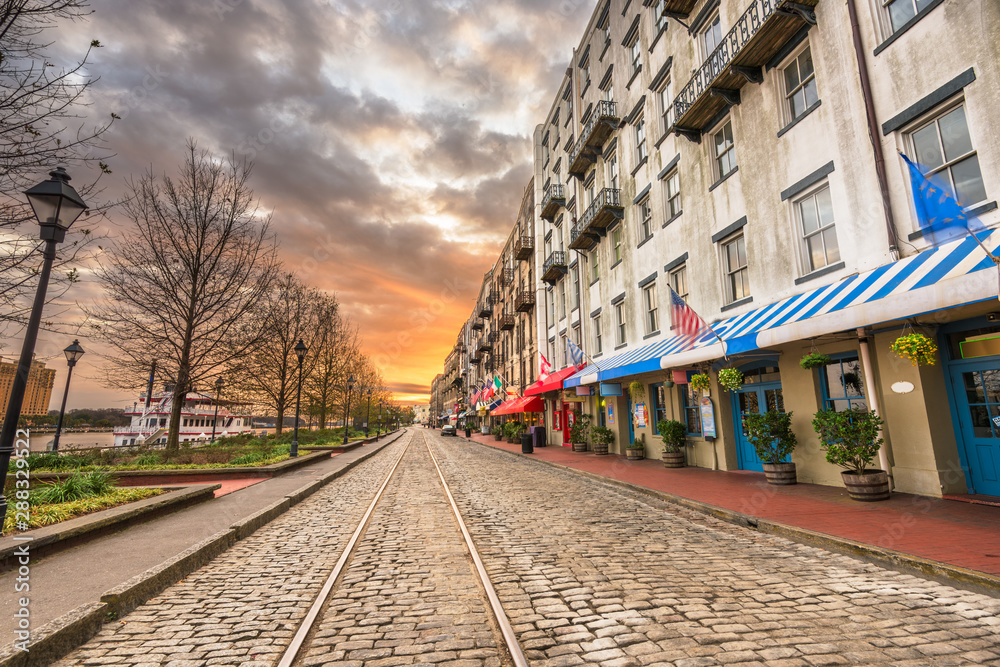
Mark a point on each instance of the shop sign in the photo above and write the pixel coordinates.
(707, 417)
(611, 413)
(640, 415)
(584, 391)
(611, 389)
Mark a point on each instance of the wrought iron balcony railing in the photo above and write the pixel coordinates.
(554, 267)
(605, 209)
(554, 199)
(486, 307)
(476, 325)
(524, 302)
(507, 321)
(602, 122)
(580, 238)
(524, 247)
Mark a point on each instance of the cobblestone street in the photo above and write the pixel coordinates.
(589, 574)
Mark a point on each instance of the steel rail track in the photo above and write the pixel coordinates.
(291, 654)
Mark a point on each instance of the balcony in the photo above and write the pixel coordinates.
(484, 344)
(603, 211)
(460, 346)
(554, 267)
(494, 337)
(524, 302)
(507, 322)
(679, 8)
(496, 296)
(524, 247)
(485, 308)
(476, 325)
(507, 277)
(474, 355)
(603, 121)
(582, 239)
(554, 199)
(763, 29)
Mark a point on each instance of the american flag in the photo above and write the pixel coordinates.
(689, 325)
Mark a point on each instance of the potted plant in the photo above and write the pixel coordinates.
(731, 379)
(636, 450)
(852, 439)
(918, 348)
(497, 432)
(578, 433)
(814, 360)
(603, 437)
(512, 431)
(772, 438)
(700, 382)
(636, 390)
(673, 433)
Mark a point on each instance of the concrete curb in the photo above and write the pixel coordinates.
(49, 539)
(944, 573)
(66, 633)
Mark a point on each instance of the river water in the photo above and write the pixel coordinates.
(71, 440)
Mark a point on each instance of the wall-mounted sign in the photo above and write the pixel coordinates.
(611, 413)
(680, 377)
(640, 415)
(902, 387)
(585, 391)
(707, 417)
(611, 389)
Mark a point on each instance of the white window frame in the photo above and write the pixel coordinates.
(672, 194)
(635, 56)
(562, 299)
(616, 245)
(677, 279)
(621, 330)
(727, 149)
(651, 307)
(595, 265)
(946, 166)
(661, 20)
(887, 13)
(576, 287)
(612, 173)
(797, 204)
(729, 272)
(641, 150)
(793, 61)
(645, 227)
(666, 103)
(598, 343)
(703, 45)
(589, 185)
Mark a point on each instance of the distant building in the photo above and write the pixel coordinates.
(38, 392)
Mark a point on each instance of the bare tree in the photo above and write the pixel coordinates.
(41, 126)
(334, 362)
(181, 286)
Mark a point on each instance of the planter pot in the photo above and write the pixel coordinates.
(673, 459)
(871, 486)
(634, 454)
(600, 449)
(579, 446)
(781, 474)
(498, 437)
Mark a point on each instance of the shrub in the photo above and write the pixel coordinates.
(580, 429)
(603, 435)
(638, 443)
(851, 438)
(771, 435)
(673, 433)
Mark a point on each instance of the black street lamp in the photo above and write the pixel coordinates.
(57, 206)
(300, 351)
(218, 394)
(379, 429)
(368, 418)
(347, 406)
(73, 354)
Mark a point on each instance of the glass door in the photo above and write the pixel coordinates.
(977, 394)
(761, 392)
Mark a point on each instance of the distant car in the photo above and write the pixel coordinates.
(448, 429)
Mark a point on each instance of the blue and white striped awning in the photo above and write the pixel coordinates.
(631, 362)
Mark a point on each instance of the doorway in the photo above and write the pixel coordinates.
(761, 392)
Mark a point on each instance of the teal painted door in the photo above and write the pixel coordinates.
(753, 399)
(977, 394)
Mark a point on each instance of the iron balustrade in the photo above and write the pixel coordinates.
(606, 110)
(556, 259)
(524, 248)
(606, 198)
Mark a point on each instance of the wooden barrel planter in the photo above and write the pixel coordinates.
(579, 446)
(673, 459)
(634, 454)
(871, 486)
(780, 474)
(498, 438)
(600, 448)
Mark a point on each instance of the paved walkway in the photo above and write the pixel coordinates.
(947, 531)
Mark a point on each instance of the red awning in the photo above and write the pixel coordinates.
(518, 405)
(554, 382)
(504, 408)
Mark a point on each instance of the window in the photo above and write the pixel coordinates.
(734, 258)
(646, 219)
(595, 267)
(945, 148)
(613, 171)
(640, 140)
(588, 188)
(578, 336)
(710, 37)
(672, 194)
(616, 242)
(658, 409)
(607, 92)
(552, 307)
(842, 384)
(649, 301)
(562, 299)
(692, 412)
(620, 337)
(679, 281)
(901, 11)
(576, 287)
(635, 51)
(607, 33)
(584, 76)
(545, 150)
(800, 85)
(597, 335)
(665, 99)
(565, 349)
(725, 151)
(661, 19)
(819, 237)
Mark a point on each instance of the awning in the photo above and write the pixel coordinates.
(631, 362)
(504, 408)
(954, 274)
(520, 405)
(554, 381)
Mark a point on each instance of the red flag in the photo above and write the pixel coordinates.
(544, 367)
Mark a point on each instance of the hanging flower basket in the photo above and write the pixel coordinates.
(918, 348)
(731, 379)
(700, 382)
(636, 390)
(814, 360)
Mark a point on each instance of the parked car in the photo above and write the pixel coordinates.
(448, 429)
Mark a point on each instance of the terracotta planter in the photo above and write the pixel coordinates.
(579, 446)
(600, 448)
(781, 474)
(634, 454)
(871, 486)
(674, 459)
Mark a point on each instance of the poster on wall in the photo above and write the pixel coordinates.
(640, 415)
(556, 425)
(707, 417)
(611, 414)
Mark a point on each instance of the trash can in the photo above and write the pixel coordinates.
(539, 436)
(526, 447)
(468, 431)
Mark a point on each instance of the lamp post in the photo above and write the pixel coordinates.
(368, 418)
(379, 429)
(347, 406)
(218, 394)
(73, 354)
(300, 352)
(56, 206)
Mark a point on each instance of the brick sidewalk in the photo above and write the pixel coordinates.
(947, 531)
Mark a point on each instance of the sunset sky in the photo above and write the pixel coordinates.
(390, 139)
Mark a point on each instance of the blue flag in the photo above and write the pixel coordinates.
(575, 353)
(940, 215)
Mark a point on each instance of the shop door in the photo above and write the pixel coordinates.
(977, 394)
(754, 398)
(568, 419)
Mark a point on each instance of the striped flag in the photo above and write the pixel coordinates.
(544, 367)
(689, 325)
(575, 353)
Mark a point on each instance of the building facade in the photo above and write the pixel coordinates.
(37, 392)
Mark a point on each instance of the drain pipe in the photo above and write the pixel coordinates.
(866, 368)
(873, 130)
